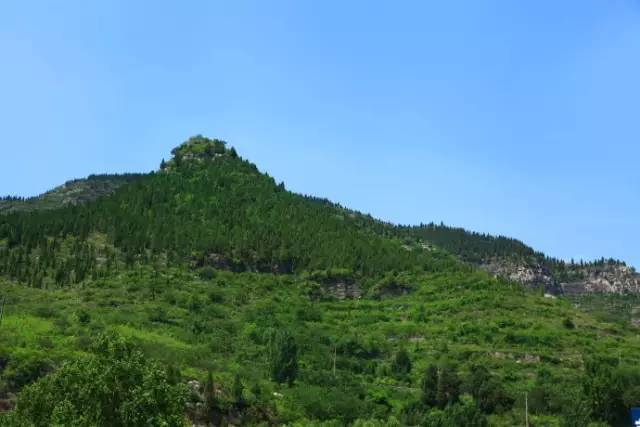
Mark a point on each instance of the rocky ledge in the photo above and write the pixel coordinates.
(611, 278)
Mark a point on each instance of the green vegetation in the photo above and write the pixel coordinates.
(479, 248)
(284, 310)
(71, 193)
(113, 386)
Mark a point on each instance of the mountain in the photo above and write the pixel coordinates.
(498, 255)
(206, 293)
(513, 260)
(70, 193)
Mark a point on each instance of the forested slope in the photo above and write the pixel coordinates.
(207, 293)
(70, 193)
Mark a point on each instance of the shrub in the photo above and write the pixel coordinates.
(401, 364)
(83, 317)
(216, 297)
(206, 273)
(568, 323)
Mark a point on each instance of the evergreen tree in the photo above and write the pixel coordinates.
(237, 391)
(401, 364)
(430, 387)
(448, 386)
(284, 358)
(211, 403)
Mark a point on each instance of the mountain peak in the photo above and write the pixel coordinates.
(201, 148)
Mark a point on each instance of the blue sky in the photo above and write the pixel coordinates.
(517, 118)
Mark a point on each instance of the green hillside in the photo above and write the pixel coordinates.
(286, 310)
(70, 193)
(481, 248)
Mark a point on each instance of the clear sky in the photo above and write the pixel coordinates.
(510, 117)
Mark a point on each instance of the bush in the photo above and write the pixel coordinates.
(216, 297)
(206, 273)
(83, 317)
(331, 404)
(401, 364)
(22, 371)
(568, 323)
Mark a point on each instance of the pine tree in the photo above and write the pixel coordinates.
(448, 386)
(237, 392)
(430, 387)
(401, 364)
(211, 404)
(284, 358)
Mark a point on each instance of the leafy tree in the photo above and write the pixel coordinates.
(114, 386)
(576, 412)
(486, 390)
(601, 389)
(610, 390)
(464, 413)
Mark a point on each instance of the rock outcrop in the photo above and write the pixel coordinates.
(612, 278)
(608, 278)
(531, 276)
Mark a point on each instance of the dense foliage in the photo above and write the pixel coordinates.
(218, 296)
(114, 386)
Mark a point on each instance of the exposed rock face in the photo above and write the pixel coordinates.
(604, 278)
(390, 290)
(532, 277)
(613, 278)
(342, 289)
